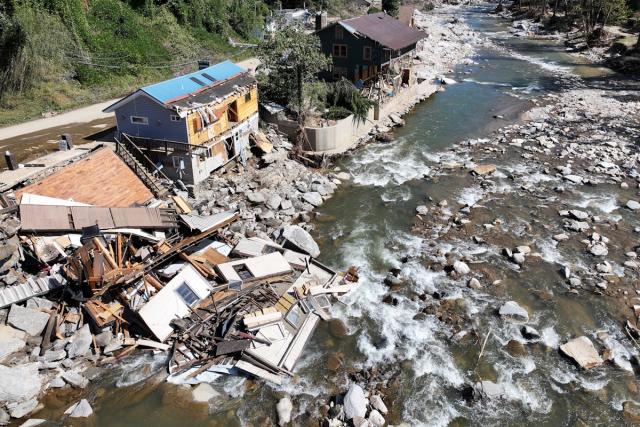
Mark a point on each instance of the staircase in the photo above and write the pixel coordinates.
(142, 166)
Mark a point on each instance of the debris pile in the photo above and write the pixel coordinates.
(215, 296)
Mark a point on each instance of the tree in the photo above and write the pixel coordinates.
(290, 62)
(345, 95)
(392, 7)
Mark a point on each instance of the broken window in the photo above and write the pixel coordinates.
(295, 316)
(243, 272)
(366, 53)
(247, 97)
(340, 50)
(175, 118)
(139, 120)
(189, 297)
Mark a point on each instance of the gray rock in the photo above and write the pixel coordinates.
(422, 210)
(633, 205)
(5, 418)
(489, 390)
(33, 422)
(605, 267)
(57, 382)
(376, 419)
(511, 310)
(343, 176)
(576, 179)
(474, 283)
(578, 214)
(203, 393)
(378, 404)
(11, 340)
(599, 249)
(582, 351)
(560, 237)
(300, 238)
(31, 321)
(313, 198)
(461, 268)
(54, 355)
(579, 226)
(37, 302)
(529, 333)
(19, 383)
(518, 258)
(19, 410)
(273, 202)
(284, 408)
(103, 339)
(81, 409)
(355, 404)
(80, 342)
(286, 205)
(75, 379)
(256, 197)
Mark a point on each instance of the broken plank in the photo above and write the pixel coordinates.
(141, 342)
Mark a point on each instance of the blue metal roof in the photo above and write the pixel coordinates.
(177, 87)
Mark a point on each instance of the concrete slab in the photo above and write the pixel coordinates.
(11, 178)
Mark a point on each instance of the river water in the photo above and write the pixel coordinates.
(368, 224)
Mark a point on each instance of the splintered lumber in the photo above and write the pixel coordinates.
(105, 253)
(181, 204)
(340, 289)
(152, 344)
(155, 283)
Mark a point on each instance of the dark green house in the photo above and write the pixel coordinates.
(362, 47)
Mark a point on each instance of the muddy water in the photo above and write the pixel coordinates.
(368, 224)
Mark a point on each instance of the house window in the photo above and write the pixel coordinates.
(340, 50)
(175, 118)
(247, 97)
(339, 72)
(339, 32)
(243, 272)
(139, 120)
(187, 295)
(366, 53)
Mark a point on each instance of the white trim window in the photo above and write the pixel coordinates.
(139, 120)
(175, 118)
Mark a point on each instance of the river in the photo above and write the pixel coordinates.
(368, 224)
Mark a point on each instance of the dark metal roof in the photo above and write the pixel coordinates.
(216, 91)
(384, 29)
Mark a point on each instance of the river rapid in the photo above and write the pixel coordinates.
(422, 364)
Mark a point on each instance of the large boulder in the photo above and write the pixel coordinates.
(313, 198)
(81, 409)
(355, 404)
(489, 390)
(300, 238)
(284, 408)
(19, 383)
(80, 342)
(511, 310)
(11, 340)
(31, 321)
(583, 352)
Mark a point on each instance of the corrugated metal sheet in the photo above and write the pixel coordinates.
(184, 85)
(64, 218)
(384, 29)
(204, 223)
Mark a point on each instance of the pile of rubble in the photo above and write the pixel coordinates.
(231, 287)
(279, 192)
